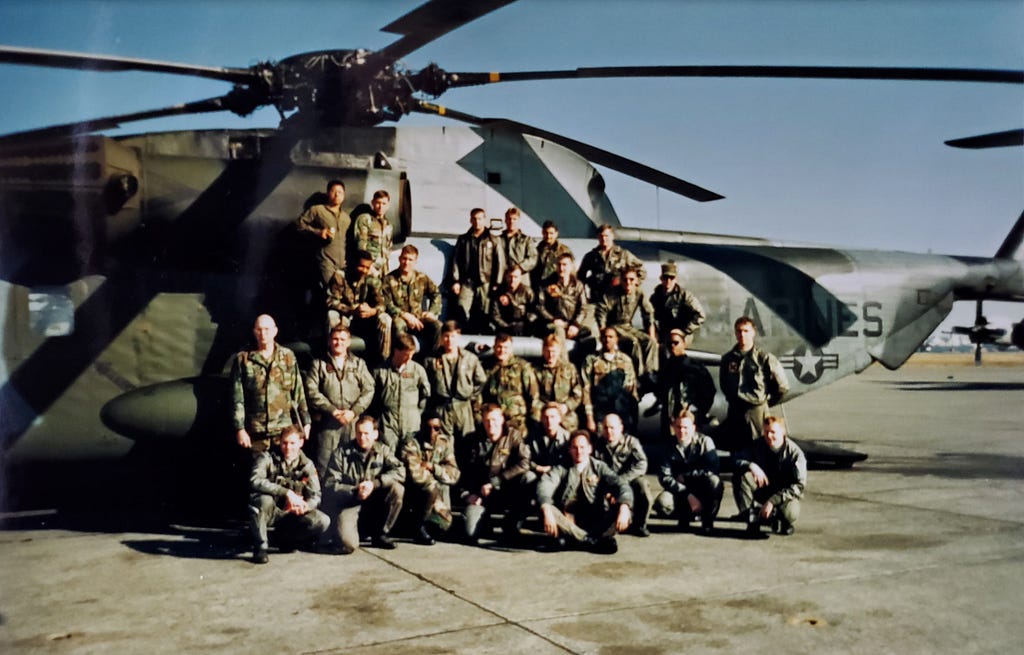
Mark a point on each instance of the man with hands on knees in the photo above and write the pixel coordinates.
(769, 480)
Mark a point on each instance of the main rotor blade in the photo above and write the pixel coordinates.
(800, 72)
(991, 140)
(433, 20)
(593, 153)
(86, 61)
(110, 122)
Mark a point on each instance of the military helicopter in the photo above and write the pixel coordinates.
(135, 264)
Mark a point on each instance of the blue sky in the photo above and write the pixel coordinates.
(850, 163)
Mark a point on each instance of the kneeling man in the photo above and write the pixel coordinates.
(769, 480)
(689, 475)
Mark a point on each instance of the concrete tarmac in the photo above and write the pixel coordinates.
(920, 549)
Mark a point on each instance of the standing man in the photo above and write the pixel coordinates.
(402, 390)
(285, 494)
(769, 480)
(520, 250)
(626, 458)
(549, 250)
(562, 304)
(328, 224)
(573, 499)
(340, 389)
(431, 470)
(689, 476)
(267, 390)
(602, 266)
(356, 302)
(363, 473)
(558, 381)
(675, 307)
(374, 233)
(609, 383)
(619, 308)
(412, 299)
(752, 381)
(492, 478)
(511, 383)
(682, 384)
(476, 270)
(456, 380)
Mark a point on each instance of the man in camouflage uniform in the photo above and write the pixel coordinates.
(619, 308)
(328, 224)
(769, 480)
(339, 388)
(402, 390)
(512, 305)
(356, 302)
(477, 268)
(362, 473)
(609, 384)
(562, 304)
(492, 476)
(373, 232)
(626, 458)
(682, 383)
(675, 307)
(285, 494)
(689, 476)
(752, 380)
(549, 250)
(558, 381)
(574, 500)
(602, 266)
(520, 249)
(456, 380)
(511, 383)
(413, 300)
(267, 390)
(431, 470)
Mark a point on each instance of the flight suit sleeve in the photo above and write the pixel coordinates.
(779, 384)
(548, 485)
(622, 491)
(313, 493)
(366, 387)
(530, 260)
(637, 462)
(317, 400)
(393, 471)
(667, 478)
(259, 478)
(798, 476)
(517, 464)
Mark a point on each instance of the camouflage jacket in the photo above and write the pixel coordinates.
(520, 249)
(331, 256)
(697, 459)
(513, 387)
(562, 486)
(401, 397)
(329, 388)
(439, 453)
(600, 270)
(495, 462)
(459, 379)
(512, 307)
(414, 294)
(565, 301)
(619, 308)
(677, 308)
(608, 381)
(560, 384)
(626, 458)
(349, 466)
(344, 296)
(755, 377)
(268, 395)
(275, 477)
(374, 234)
(547, 261)
(786, 469)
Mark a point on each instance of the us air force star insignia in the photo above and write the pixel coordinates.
(808, 363)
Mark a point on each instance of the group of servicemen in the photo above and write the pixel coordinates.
(338, 453)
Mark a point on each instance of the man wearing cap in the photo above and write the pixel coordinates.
(682, 384)
(675, 307)
(431, 470)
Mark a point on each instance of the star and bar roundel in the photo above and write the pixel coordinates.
(808, 363)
